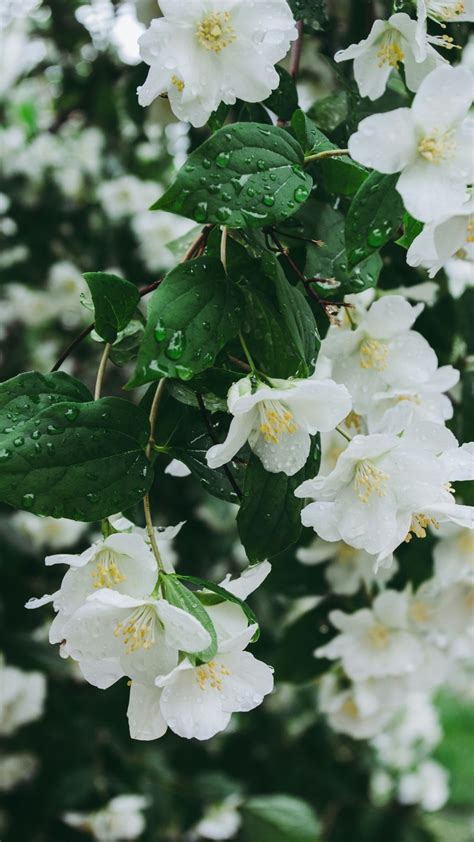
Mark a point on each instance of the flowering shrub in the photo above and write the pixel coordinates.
(228, 421)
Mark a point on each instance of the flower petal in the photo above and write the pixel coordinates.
(145, 719)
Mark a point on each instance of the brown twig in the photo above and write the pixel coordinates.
(296, 48)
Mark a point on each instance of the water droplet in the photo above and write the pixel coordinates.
(301, 194)
(27, 501)
(183, 372)
(54, 431)
(160, 331)
(19, 441)
(92, 496)
(175, 348)
(71, 413)
(200, 214)
(261, 164)
(223, 214)
(268, 200)
(5, 454)
(376, 237)
(206, 163)
(223, 159)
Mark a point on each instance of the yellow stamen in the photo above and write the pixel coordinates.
(138, 630)
(106, 572)
(350, 708)
(369, 480)
(390, 53)
(379, 635)
(470, 230)
(420, 612)
(211, 675)
(437, 147)
(373, 354)
(215, 31)
(178, 83)
(418, 526)
(275, 421)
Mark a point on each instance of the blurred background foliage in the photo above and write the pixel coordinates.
(70, 124)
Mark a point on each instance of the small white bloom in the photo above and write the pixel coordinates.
(445, 11)
(375, 643)
(382, 351)
(278, 420)
(127, 195)
(460, 273)
(426, 786)
(121, 819)
(453, 554)
(23, 698)
(450, 236)
(390, 43)
(412, 733)
(426, 400)
(455, 613)
(15, 769)
(361, 710)
(209, 51)
(176, 468)
(430, 144)
(385, 488)
(164, 537)
(48, 532)
(220, 821)
(154, 232)
(349, 568)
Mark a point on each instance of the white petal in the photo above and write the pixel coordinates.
(90, 632)
(391, 608)
(176, 468)
(38, 602)
(182, 630)
(385, 142)
(429, 189)
(319, 405)
(102, 674)
(72, 560)
(248, 581)
(145, 719)
(288, 456)
(191, 711)
(237, 436)
(390, 316)
(443, 99)
(249, 682)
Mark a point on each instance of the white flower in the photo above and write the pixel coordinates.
(127, 195)
(449, 236)
(386, 487)
(430, 144)
(453, 555)
(390, 43)
(361, 710)
(154, 232)
(375, 643)
(23, 698)
(48, 532)
(349, 568)
(412, 733)
(382, 351)
(16, 769)
(455, 613)
(426, 786)
(120, 819)
(164, 537)
(445, 11)
(460, 274)
(426, 292)
(278, 419)
(205, 52)
(220, 821)
(424, 400)
(199, 701)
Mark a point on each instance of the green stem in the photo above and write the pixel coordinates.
(328, 153)
(101, 372)
(345, 435)
(247, 354)
(149, 449)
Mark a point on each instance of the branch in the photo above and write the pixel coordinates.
(296, 48)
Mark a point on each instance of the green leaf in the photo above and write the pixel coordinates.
(126, 346)
(226, 596)
(411, 229)
(330, 260)
(114, 300)
(76, 458)
(191, 316)
(312, 12)
(284, 100)
(245, 176)
(279, 818)
(329, 112)
(375, 215)
(24, 396)
(269, 517)
(177, 594)
(218, 117)
(340, 175)
(182, 432)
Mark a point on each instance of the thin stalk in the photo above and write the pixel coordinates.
(328, 153)
(247, 353)
(296, 48)
(101, 371)
(149, 449)
(225, 232)
(344, 434)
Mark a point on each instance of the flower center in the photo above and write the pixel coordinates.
(419, 525)
(420, 612)
(138, 630)
(178, 83)
(275, 421)
(437, 147)
(211, 675)
(369, 480)
(106, 572)
(390, 51)
(215, 31)
(445, 11)
(350, 708)
(374, 354)
(379, 636)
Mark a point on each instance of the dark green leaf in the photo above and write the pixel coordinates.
(226, 596)
(411, 229)
(177, 594)
(340, 175)
(81, 460)
(24, 396)
(304, 636)
(245, 175)
(126, 346)
(269, 517)
(191, 316)
(375, 215)
(284, 99)
(330, 261)
(182, 432)
(218, 117)
(279, 818)
(329, 112)
(114, 302)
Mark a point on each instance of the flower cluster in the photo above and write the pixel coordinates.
(186, 664)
